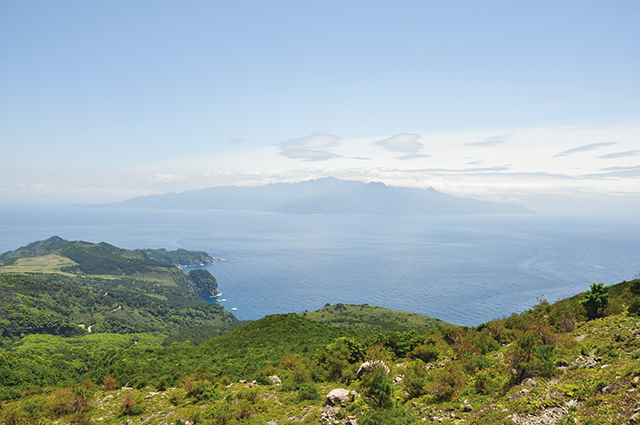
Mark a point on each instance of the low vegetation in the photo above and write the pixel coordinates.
(575, 361)
(367, 318)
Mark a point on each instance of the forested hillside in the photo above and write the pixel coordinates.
(67, 288)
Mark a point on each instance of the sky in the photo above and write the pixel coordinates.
(533, 102)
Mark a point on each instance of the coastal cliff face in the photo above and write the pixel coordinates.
(203, 283)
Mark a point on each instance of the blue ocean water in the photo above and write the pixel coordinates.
(462, 269)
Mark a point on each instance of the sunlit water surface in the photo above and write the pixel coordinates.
(462, 269)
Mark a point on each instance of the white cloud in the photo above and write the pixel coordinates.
(312, 148)
(492, 140)
(585, 148)
(617, 155)
(404, 142)
(166, 178)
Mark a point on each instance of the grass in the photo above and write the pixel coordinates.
(366, 318)
(51, 263)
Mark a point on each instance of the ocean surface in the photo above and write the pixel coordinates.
(462, 269)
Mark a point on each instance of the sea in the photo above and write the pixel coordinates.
(465, 270)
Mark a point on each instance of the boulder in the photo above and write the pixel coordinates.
(338, 396)
(371, 366)
(275, 380)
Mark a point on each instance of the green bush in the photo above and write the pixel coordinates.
(447, 382)
(308, 392)
(394, 416)
(415, 378)
(595, 300)
(376, 388)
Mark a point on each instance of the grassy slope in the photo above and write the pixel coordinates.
(584, 372)
(593, 385)
(370, 319)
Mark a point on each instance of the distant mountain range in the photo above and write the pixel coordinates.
(323, 196)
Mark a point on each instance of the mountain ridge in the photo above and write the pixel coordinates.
(328, 195)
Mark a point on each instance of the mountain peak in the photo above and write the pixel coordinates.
(327, 195)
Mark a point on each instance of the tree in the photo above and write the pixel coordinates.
(595, 300)
(377, 389)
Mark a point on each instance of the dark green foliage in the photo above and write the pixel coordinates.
(426, 352)
(415, 379)
(487, 383)
(372, 319)
(376, 389)
(204, 284)
(308, 392)
(179, 257)
(56, 304)
(634, 297)
(595, 300)
(400, 343)
(34, 249)
(392, 416)
(238, 354)
(446, 382)
(529, 359)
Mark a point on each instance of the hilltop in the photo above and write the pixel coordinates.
(371, 319)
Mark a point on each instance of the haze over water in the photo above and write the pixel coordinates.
(462, 269)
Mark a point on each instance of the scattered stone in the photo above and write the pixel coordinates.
(243, 381)
(350, 420)
(338, 396)
(468, 408)
(609, 389)
(515, 396)
(275, 380)
(530, 383)
(397, 380)
(635, 381)
(548, 416)
(572, 403)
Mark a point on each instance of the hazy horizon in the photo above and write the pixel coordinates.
(533, 103)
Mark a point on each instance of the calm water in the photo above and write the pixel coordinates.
(465, 270)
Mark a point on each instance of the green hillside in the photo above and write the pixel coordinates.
(65, 288)
(366, 318)
(576, 361)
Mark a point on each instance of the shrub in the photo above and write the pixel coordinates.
(377, 389)
(109, 383)
(527, 359)
(424, 352)
(486, 383)
(447, 382)
(132, 405)
(595, 300)
(308, 392)
(415, 378)
(394, 416)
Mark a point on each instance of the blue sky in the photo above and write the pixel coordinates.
(533, 102)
